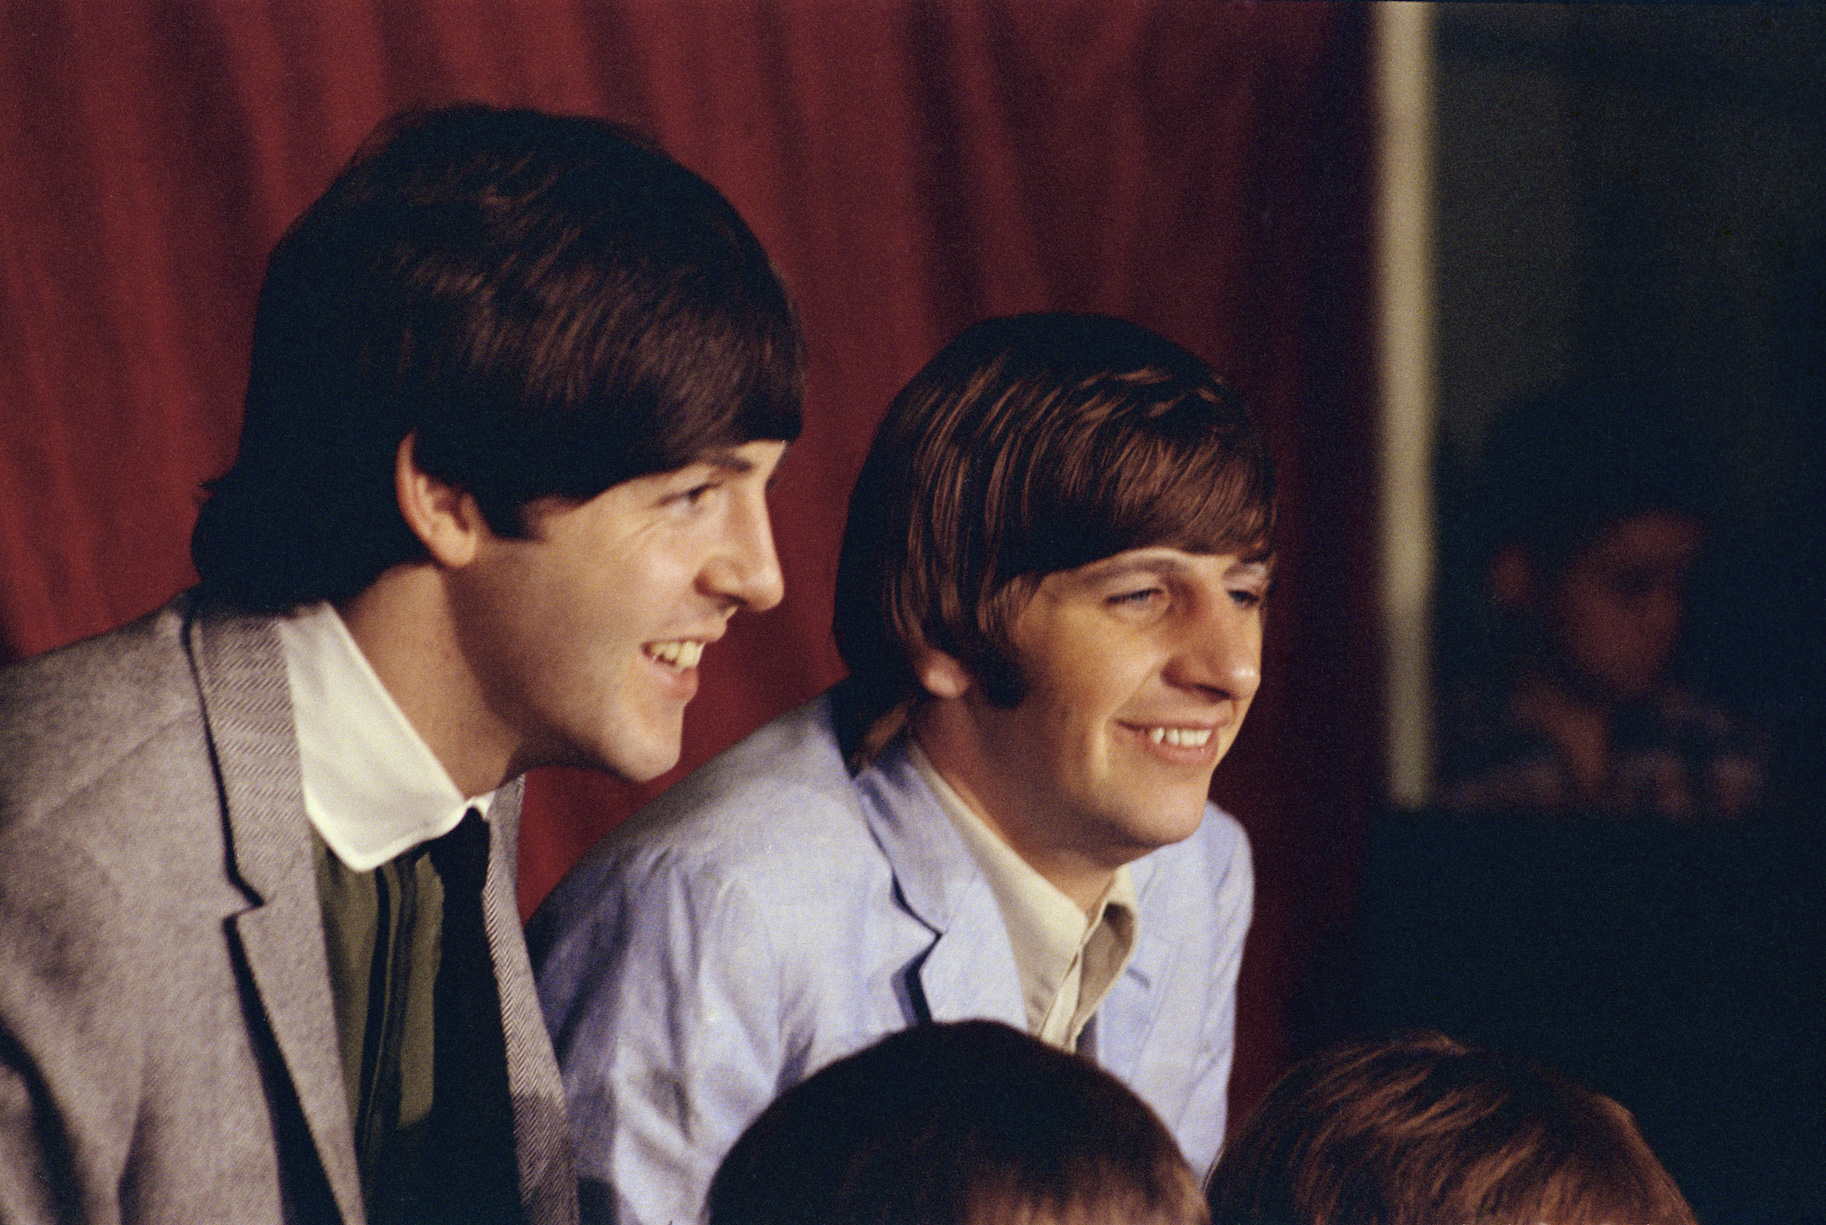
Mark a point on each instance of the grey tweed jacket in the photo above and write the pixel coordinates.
(168, 1048)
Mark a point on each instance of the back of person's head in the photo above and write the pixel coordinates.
(1561, 466)
(548, 305)
(969, 1123)
(1029, 445)
(1422, 1130)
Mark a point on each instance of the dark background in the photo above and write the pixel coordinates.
(1636, 195)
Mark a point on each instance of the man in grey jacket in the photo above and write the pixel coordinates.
(518, 385)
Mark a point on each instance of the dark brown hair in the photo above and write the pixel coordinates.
(969, 1123)
(1423, 1129)
(550, 304)
(1029, 445)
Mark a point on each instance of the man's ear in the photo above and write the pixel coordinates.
(941, 674)
(445, 518)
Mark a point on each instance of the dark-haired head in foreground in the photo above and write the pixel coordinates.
(970, 1123)
(1422, 1130)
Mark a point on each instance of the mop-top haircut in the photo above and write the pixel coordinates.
(1029, 445)
(548, 304)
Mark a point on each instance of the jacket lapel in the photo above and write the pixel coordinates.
(248, 712)
(548, 1177)
(969, 970)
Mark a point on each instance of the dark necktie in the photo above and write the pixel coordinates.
(433, 1112)
(474, 1175)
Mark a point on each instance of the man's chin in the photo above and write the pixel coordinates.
(631, 759)
(1157, 830)
(1180, 824)
(643, 767)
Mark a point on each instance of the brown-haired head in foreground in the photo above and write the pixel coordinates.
(1423, 1129)
(1029, 445)
(969, 1123)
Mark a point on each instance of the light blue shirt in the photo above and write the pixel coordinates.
(771, 914)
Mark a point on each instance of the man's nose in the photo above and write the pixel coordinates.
(746, 570)
(1221, 652)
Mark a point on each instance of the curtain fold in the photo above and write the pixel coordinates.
(911, 166)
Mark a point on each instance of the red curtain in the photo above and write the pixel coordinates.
(912, 166)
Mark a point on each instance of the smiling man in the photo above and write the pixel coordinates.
(519, 383)
(1050, 599)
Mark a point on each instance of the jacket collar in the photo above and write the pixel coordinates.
(970, 969)
(247, 712)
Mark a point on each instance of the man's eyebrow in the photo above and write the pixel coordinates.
(726, 459)
(1160, 566)
(1113, 568)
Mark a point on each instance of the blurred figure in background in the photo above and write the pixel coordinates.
(1423, 1129)
(969, 1123)
(1598, 509)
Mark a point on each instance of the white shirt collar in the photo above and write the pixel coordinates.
(372, 786)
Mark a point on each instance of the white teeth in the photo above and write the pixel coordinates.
(1180, 737)
(681, 654)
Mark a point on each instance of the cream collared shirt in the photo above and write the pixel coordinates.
(372, 786)
(1068, 960)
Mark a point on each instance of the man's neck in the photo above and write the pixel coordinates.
(1005, 811)
(402, 624)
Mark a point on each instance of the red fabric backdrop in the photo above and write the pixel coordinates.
(1199, 167)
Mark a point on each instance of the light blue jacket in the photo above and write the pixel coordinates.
(771, 914)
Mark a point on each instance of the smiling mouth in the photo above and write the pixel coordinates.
(681, 654)
(1180, 737)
